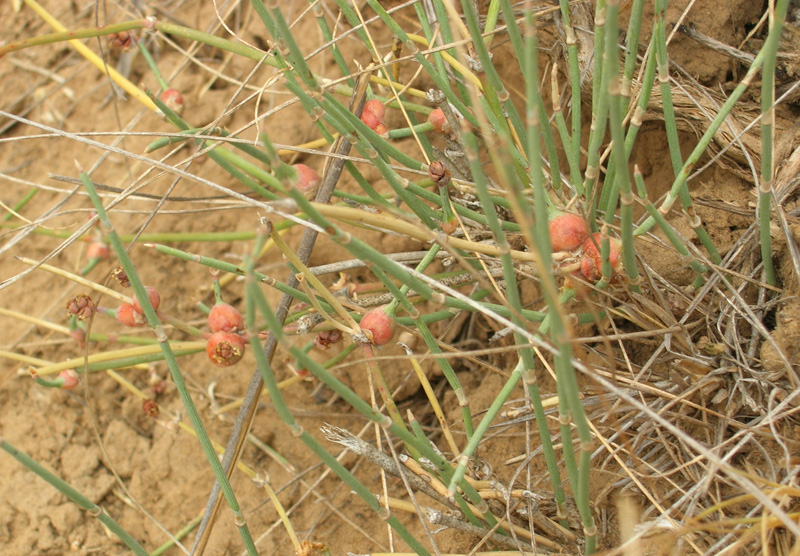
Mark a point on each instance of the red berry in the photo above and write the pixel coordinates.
(79, 336)
(567, 232)
(153, 295)
(225, 349)
(98, 250)
(375, 107)
(439, 121)
(307, 179)
(173, 99)
(225, 318)
(591, 261)
(378, 326)
(371, 119)
(70, 379)
(129, 316)
(382, 130)
(372, 115)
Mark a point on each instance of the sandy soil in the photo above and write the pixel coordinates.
(145, 472)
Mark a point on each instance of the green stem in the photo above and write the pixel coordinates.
(172, 364)
(765, 192)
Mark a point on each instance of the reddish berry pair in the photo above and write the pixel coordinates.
(225, 346)
(373, 114)
(133, 314)
(569, 231)
(591, 260)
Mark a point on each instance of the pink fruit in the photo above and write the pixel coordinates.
(372, 115)
(225, 348)
(70, 379)
(382, 130)
(79, 336)
(98, 250)
(129, 316)
(591, 261)
(378, 326)
(153, 295)
(225, 318)
(567, 232)
(375, 107)
(371, 119)
(439, 121)
(307, 179)
(174, 100)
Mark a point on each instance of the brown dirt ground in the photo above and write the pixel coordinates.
(145, 473)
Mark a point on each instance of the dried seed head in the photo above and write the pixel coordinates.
(150, 408)
(122, 40)
(326, 338)
(121, 276)
(438, 173)
(225, 318)
(378, 326)
(81, 306)
(153, 296)
(129, 316)
(567, 231)
(225, 349)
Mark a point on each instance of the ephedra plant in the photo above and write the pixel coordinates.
(510, 171)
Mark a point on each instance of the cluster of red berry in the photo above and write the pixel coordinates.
(569, 231)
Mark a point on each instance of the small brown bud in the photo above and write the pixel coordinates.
(150, 408)
(438, 173)
(327, 337)
(121, 276)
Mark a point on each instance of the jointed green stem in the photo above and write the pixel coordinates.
(765, 193)
(172, 364)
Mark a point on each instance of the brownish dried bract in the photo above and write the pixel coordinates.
(81, 306)
(121, 277)
(122, 40)
(327, 337)
(438, 173)
(150, 408)
(310, 548)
